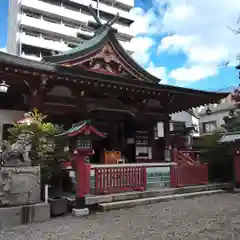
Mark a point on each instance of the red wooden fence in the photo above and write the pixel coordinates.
(186, 174)
(119, 179)
(187, 171)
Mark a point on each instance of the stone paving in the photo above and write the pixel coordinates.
(210, 217)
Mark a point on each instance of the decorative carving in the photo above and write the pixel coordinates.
(18, 153)
(106, 61)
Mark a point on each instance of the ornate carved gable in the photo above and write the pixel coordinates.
(106, 61)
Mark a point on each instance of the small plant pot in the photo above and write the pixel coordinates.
(58, 206)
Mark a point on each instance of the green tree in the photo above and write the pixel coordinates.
(47, 149)
(218, 156)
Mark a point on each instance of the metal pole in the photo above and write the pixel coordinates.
(98, 8)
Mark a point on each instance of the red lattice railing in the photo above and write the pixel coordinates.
(187, 171)
(118, 179)
(192, 155)
(186, 174)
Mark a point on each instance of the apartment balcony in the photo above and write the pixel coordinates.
(40, 42)
(69, 15)
(109, 9)
(31, 57)
(54, 11)
(49, 27)
(129, 3)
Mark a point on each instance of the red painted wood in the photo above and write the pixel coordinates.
(120, 179)
(80, 177)
(186, 174)
(194, 155)
(187, 171)
(83, 171)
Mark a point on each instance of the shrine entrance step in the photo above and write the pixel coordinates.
(136, 195)
(92, 200)
(142, 201)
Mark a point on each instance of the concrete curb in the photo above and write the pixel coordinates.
(135, 202)
(127, 196)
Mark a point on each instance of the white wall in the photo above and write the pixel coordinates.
(181, 117)
(9, 117)
(188, 119)
(215, 116)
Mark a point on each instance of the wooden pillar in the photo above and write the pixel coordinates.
(151, 141)
(167, 140)
(113, 135)
(166, 129)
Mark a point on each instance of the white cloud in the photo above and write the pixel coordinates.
(158, 71)
(201, 31)
(193, 73)
(3, 50)
(141, 47)
(145, 22)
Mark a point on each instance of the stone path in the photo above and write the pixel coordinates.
(210, 217)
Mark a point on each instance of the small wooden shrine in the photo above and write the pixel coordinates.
(98, 80)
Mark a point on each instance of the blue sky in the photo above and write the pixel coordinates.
(188, 41)
(181, 41)
(3, 22)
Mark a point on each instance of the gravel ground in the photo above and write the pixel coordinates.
(210, 217)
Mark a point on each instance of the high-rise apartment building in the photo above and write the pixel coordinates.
(44, 27)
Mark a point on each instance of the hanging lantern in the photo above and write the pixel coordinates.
(3, 87)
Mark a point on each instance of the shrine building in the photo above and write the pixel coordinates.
(98, 80)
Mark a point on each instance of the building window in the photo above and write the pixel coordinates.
(178, 126)
(71, 25)
(51, 20)
(55, 2)
(31, 14)
(209, 127)
(32, 33)
(50, 38)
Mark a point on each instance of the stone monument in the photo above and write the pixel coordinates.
(19, 181)
(20, 201)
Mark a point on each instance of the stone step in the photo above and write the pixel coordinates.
(91, 200)
(132, 203)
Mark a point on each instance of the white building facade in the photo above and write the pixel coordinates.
(44, 27)
(179, 121)
(211, 117)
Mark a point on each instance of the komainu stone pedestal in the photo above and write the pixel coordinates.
(20, 197)
(19, 185)
(18, 215)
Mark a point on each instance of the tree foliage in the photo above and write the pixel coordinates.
(218, 156)
(43, 139)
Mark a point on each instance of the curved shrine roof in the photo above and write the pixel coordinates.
(102, 59)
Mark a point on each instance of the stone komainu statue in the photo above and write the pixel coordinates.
(18, 153)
